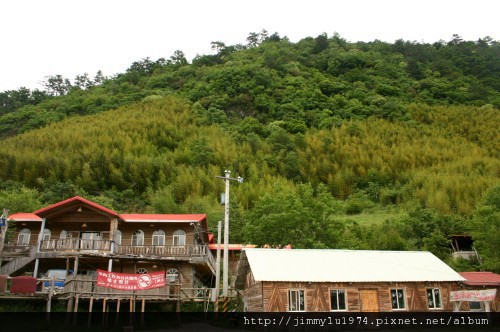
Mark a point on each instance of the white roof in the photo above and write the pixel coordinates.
(321, 265)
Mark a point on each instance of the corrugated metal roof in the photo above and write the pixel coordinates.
(481, 278)
(320, 265)
(163, 217)
(24, 217)
(235, 247)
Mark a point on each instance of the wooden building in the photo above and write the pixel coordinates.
(474, 288)
(307, 280)
(462, 246)
(80, 236)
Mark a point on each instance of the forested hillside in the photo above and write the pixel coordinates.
(342, 145)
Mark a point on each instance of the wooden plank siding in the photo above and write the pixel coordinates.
(273, 296)
(129, 228)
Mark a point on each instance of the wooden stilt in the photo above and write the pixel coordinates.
(131, 320)
(91, 303)
(76, 303)
(73, 286)
(117, 311)
(143, 307)
(103, 321)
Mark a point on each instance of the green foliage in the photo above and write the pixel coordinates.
(20, 200)
(407, 126)
(273, 79)
(303, 211)
(485, 230)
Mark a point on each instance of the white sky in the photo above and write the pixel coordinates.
(70, 37)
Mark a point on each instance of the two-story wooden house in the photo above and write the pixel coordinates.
(80, 236)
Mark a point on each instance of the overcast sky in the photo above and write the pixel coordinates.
(70, 37)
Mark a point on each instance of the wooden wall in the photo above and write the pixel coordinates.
(129, 228)
(274, 295)
(71, 222)
(252, 295)
(494, 305)
(96, 222)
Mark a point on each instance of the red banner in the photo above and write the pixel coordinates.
(125, 281)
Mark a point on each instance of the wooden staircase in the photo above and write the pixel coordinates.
(17, 263)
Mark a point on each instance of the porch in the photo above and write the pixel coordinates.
(60, 248)
(83, 291)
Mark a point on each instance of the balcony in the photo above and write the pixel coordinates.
(64, 247)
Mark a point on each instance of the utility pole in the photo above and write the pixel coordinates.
(217, 270)
(225, 280)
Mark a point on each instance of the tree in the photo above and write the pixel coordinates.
(253, 39)
(57, 85)
(83, 81)
(297, 216)
(320, 43)
(20, 200)
(486, 230)
(263, 35)
(178, 58)
(99, 78)
(218, 46)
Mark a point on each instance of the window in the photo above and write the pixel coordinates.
(117, 237)
(158, 238)
(138, 238)
(64, 239)
(142, 270)
(46, 235)
(179, 238)
(337, 299)
(434, 298)
(24, 237)
(172, 276)
(476, 306)
(65, 235)
(296, 300)
(398, 299)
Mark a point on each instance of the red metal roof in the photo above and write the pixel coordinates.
(163, 217)
(481, 278)
(24, 217)
(237, 247)
(73, 199)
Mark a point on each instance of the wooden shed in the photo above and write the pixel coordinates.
(310, 280)
(481, 292)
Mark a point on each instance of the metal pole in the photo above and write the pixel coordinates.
(217, 269)
(38, 247)
(110, 262)
(226, 237)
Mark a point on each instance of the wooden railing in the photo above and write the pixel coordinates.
(86, 286)
(162, 250)
(196, 251)
(75, 245)
(110, 247)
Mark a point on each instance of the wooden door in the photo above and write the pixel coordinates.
(369, 300)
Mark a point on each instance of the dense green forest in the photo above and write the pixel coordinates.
(342, 145)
